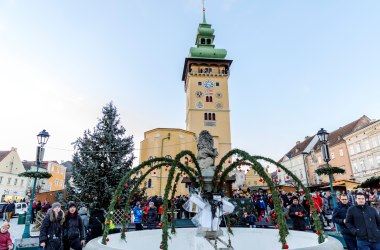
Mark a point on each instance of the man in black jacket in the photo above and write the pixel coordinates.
(297, 212)
(339, 217)
(364, 222)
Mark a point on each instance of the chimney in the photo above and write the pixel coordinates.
(298, 142)
(307, 137)
(13, 149)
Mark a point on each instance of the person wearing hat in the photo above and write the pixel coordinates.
(137, 212)
(297, 213)
(51, 228)
(73, 229)
(5, 237)
(152, 217)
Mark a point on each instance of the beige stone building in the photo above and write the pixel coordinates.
(364, 150)
(205, 76)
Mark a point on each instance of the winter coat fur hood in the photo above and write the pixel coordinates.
(60, 217)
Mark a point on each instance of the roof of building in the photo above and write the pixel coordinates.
(372, 122)
(298, 148)
(4, 154)
(335, 137)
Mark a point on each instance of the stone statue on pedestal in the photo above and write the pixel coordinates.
(206, 151)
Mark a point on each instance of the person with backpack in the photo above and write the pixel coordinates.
(73, 229)
(51, 228)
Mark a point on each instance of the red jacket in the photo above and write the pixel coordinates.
(5, 240)
(317, 203)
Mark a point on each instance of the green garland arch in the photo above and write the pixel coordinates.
(196, 179)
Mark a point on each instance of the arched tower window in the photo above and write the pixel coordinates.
(205, 116)
(149, 183)
(207, 99)
(208, 41)
(209, 116)
(203, 41)
(213, 116)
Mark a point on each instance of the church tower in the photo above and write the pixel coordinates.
(205, 76)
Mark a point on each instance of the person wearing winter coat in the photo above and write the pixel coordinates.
(138, 216)
(339, 217)
(297, 213)
(51, 228)
(83, 213)
(152, 216)
(364, 222)
(95, 225)
(328, 208)
(5, 237)
(73, 229)
(10, 209)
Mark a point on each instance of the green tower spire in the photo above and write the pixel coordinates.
(205, 42)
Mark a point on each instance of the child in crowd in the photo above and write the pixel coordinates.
(5, 237)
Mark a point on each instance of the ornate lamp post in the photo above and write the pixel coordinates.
(42, 138)
(323, 137)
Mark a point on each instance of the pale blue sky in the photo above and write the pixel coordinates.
(298, 66)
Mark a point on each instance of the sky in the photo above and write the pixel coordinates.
(297, 66)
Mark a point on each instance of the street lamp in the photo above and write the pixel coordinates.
(323, 137)
(42, 138)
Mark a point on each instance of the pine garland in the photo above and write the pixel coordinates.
(35, 174)
(218, 180)
(329, 170)
(173, 231)
(371, 182)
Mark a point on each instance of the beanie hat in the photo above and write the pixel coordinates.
(55, 204)
(71, 204)
(6, 225)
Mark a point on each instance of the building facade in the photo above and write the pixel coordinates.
(295, 161)
(338, 153)
(205, 76)
(54, 183)
(12, 187)
(364, 150)
(165, 142)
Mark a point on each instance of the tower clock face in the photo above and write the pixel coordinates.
(208, 84)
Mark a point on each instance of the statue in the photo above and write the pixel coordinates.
(206, 151)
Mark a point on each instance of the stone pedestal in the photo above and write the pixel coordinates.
(207, 175)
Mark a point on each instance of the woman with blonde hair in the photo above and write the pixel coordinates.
(51, 228)
(5, 237)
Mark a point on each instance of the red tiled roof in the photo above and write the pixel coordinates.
(3, 154)
(336, 136)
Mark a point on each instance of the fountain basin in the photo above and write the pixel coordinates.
(243, 238)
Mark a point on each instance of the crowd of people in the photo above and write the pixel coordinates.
(70, 229)
(356, 217)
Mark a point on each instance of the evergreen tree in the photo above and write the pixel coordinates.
(102, 158)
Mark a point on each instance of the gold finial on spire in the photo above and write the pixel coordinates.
(204, 11)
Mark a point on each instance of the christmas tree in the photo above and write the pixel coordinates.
(102, 158)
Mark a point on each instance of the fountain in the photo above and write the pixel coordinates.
(212, 207)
